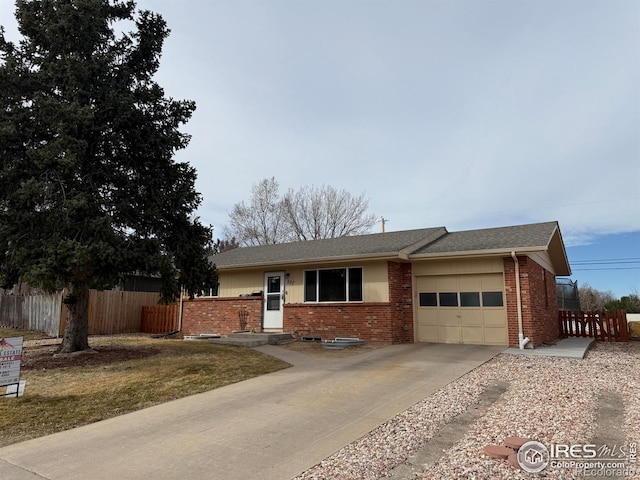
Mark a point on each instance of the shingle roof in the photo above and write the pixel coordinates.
(408, 244)
(536, 235)
(372, 245)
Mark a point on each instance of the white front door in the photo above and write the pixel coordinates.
(273, 299)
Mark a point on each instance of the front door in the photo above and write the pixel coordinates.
(273, 299)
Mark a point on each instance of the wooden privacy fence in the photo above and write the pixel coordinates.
(603, 326)
(114, 311)
(31, 312)
(159, 319)
(110, 312)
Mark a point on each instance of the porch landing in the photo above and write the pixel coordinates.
(248, 339)
(572, 347)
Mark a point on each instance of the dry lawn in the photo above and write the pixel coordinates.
(128, 373)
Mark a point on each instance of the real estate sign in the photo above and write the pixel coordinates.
(10, 357)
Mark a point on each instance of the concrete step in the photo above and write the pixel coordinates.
(248, 339)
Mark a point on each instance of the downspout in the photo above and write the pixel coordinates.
(522, 341)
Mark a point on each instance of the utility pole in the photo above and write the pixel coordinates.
(383, 221)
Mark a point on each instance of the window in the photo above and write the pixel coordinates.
(273, 302)
(428, 299)
(448, 299)
(355, 284)
(469, 299)
(211, 291)
(310, 286)
(333, 285)
(492, 299)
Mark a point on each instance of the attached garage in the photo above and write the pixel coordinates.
(461, 309)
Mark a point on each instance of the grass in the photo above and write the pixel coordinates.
(27, 334)
(110, 383)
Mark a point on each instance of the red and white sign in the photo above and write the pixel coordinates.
(10, 357)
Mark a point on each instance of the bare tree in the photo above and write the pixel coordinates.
(592, 300)
(325, 212)
(310, 213)
(261, 222)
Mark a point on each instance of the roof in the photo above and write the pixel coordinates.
(377, 245)
(524, 239)
(408, 245)
(504, 238)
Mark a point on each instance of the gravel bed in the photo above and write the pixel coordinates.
(549, 399)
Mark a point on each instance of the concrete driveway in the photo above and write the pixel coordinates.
(271, 427)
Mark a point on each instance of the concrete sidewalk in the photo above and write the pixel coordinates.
(572, 347)
(270, 427)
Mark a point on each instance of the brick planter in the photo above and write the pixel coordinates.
(221, 315)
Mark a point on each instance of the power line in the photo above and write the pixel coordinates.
(611, 268)
(603, 263)
(607, 260)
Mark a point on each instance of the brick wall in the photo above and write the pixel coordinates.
(539, 303)
(543, 304)
(368, 321)
(401, 300)
(220, 315)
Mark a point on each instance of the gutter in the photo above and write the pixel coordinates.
(522, 341)
(313, 261)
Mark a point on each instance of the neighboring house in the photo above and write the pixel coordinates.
(429, 285)
(141, 283)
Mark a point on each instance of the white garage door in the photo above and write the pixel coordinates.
(462, 309)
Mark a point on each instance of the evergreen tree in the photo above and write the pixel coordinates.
(89, 190)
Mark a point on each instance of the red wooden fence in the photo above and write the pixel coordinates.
(603, 326)
(159, 319)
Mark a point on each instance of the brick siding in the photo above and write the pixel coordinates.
(401, 301)
(220, 315)
(539, 304)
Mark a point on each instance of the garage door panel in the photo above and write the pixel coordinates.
(472, 316)
(469, 283)
(449, 334)
(429, 333)
(449, 316)
(427, 284)
(496, 336)
(447, 284)
(474, 335)
(495, 317)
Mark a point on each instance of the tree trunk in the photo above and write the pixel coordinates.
(76, 333)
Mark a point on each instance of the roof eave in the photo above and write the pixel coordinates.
(476, 253)
(310, 261)
(558, 253)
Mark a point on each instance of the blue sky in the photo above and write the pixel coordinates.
(462, 113)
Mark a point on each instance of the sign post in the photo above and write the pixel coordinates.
(10, 358)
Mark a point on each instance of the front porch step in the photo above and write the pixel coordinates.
(248, 339)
